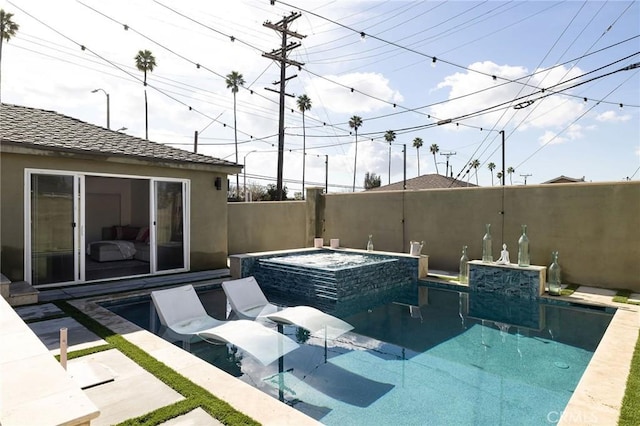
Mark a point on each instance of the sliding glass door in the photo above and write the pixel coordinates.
(85, 227)
(170, 225)
(53, 250)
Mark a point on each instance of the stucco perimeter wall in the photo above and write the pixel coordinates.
(594, 226)
(208, 205)
(266, 226)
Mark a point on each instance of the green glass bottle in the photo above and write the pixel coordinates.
(486, 245)
(523, 248)
(370, 243)
(464, 267)
(554, 280)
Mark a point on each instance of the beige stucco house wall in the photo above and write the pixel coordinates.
(22, 148)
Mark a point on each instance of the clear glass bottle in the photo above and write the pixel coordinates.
(370, 243)
(554, 280)
(464, 267)
(486, 245)
(523, 248)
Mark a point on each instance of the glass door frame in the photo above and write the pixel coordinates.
(79, 238)
(186, 214)
(78, 225)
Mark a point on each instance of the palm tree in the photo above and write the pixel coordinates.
(390, 136)
(417, 144)
(355, 122)
(434, 149)
(475, 164)
(304, 104)
(491, 167)
(510, 171)
(145, 62)
(499, 176)
(8, 29)
(234, 80)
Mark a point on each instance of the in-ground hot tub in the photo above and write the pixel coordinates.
(332, 280)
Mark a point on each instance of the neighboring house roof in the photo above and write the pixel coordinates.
(426, 182)
(564, 179)
(49, 130)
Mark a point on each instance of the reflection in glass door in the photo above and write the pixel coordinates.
(169, 229)
(53, 229)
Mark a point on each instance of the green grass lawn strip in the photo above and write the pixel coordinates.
(84, 352)
(630, 411)
(622, 296)
(568, 290)
(196, 395)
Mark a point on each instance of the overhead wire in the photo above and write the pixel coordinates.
(575, 62)
(138, 79)
(572, 123)
(540, 62)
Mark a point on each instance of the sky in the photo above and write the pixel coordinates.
(547, 75)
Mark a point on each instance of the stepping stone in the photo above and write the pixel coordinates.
(78, 336)
(37, 312)
(89, 373)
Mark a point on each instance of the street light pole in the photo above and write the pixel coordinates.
(246, 198)
(108, 112)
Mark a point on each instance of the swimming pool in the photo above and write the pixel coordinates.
(435, 360)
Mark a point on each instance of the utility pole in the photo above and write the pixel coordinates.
(280, 55)
(326, 174)
(525, 177)
(448, 154)
(195, 142)
(503, 169)
(404, 155)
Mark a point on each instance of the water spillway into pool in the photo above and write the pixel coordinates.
(333, 280)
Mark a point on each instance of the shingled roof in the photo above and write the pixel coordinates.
(431, 181)
(42, 129)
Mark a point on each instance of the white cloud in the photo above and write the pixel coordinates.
(341, 100)
(613, 117)
(551, 138)
(573, 132)
(477, 92)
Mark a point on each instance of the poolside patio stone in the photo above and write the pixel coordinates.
(197, 417)
(37, 312)
(78, 337)
(133, 392)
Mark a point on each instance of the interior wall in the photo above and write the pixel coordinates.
(101, 210)
(140, 202)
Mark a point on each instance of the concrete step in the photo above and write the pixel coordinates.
(22, 293)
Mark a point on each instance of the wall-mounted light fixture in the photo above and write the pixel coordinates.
(218, 183)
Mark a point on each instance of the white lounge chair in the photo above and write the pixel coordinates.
(248, 301)
(181, 312)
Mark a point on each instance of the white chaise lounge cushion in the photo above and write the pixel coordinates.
(181, 311)
(264, 344)
(312, 319)
(248, 301)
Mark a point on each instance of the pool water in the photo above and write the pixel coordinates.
(332, 260)
(440, 360)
